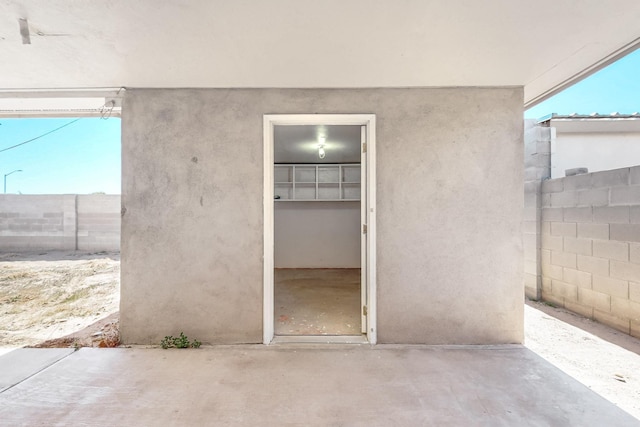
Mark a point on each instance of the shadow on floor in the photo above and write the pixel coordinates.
(598, 329)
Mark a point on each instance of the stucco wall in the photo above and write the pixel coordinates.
(449, 211)
(59, 222)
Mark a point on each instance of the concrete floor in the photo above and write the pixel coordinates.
(317, 301)
(329, 385)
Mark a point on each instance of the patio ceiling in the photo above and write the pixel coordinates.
(542, 45)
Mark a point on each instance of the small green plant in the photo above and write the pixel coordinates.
(179, 342)
(182, 341)
(12, 300)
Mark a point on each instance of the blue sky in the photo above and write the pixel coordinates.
(614, 88)
(84, 157)
(81, 158)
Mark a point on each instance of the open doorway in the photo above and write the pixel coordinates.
(319, 195)
(317, 275)
(60, 254)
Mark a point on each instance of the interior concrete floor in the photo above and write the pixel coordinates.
(350, 385)
(317, 301)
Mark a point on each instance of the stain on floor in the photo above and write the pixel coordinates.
(317, 301)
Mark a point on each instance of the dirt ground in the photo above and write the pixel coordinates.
(59, 299)
(603, 359)
(70, 299)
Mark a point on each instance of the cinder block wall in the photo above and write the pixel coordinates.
(98, 226)
(59, 222)
(537, 146)
(590, 252)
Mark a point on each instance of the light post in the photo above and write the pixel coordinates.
(5, 178)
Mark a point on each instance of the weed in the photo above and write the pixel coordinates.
(182, 341)
(179, 342)
(18, 275)
(79, 294)
(166, 342)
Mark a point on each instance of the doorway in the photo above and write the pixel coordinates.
(319, 236)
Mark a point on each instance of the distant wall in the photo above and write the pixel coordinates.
(597, 152)
(590, 249)
(317, 234)
(597, 144)
(59, 222)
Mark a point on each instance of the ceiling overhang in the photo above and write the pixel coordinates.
(544, 87)
(543, 45)
(61, 103)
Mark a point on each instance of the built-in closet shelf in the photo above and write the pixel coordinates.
(325, 182)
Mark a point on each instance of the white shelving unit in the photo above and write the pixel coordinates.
(317, 182)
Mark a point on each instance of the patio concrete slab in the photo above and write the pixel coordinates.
(22, 363)
(350, 385)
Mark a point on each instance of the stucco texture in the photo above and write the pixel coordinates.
(449, 192)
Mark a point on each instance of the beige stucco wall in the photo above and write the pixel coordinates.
(449, 164)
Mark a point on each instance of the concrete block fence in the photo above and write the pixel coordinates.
(537, 167)
(59, 222)
(590, 246)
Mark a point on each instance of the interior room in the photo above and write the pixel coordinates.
(317, 230)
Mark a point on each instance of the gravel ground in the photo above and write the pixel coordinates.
(66, 299)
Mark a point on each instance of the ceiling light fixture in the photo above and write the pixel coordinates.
(321, 141)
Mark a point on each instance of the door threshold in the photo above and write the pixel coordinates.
(320, 339)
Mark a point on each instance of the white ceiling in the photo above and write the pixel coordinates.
(308, 43)
(299, 144)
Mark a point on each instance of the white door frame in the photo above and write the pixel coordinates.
(367, 120)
